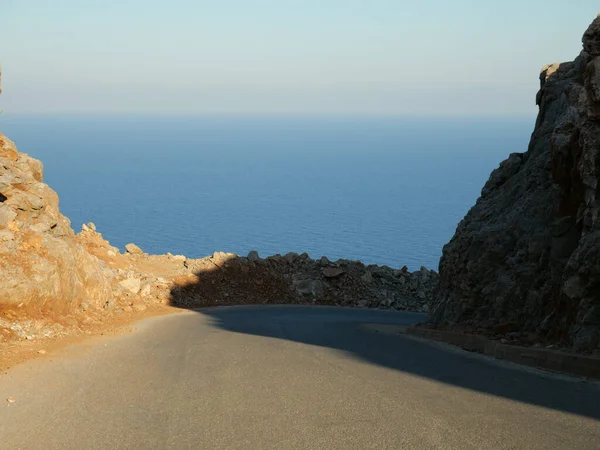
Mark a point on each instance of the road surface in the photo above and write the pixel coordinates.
(288, 378)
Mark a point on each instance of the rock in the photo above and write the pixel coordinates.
(132, 285)
(42, 352)
(92, 226)
(591, 39)
(253, 256)
(367, 278)
(314, 288)
(324, 261)
(527, 252)
(139, 307)
(333, 272)
(85, 228)
(291, 257)
(413, 284)
(7, 215)
(146, 290)
(6, 236)
(133, 249)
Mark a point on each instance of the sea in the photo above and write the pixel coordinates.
(383, 190)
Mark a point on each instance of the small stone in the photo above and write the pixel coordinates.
(333, 272)
(133, 249)
(324, 261)
(413, 284)
(10, 400)
(84, 228)
(146, 290)
(7, 215)
(290, 257)
(253, 256)
(42, 352)
(92, 226)
(6, 236)
(367, 278)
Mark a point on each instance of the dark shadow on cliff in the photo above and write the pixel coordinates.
(232, 283)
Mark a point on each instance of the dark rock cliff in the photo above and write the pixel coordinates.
(526, 257)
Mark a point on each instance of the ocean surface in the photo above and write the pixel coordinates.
(380, 190)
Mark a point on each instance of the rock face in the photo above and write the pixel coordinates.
(41, 264)
(527, 255)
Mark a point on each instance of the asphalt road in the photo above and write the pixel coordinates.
(288, 378)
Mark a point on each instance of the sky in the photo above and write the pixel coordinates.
(371, 57)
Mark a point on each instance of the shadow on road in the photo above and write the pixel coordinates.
(339, 329)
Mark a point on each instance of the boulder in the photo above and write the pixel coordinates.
(333, 272)
(133, 249)
(132, 285)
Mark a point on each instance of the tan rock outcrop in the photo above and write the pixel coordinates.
(42, 265)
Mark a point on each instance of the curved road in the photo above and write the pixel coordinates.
(288, 378)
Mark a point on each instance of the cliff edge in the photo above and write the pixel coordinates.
(526, 258)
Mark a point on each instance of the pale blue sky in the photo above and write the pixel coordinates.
(461, 57)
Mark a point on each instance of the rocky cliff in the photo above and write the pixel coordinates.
(526, 258)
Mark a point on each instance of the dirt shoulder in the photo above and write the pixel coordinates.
(18, 351)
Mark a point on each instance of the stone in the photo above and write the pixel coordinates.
(291, 257)
(132, 285)
(7, 215)
(333, 272)
(367, 278)
(85, 228)
(92, 226)
(324, 261)
(253, 256)
(6, 236)
(146, 290)
(133, 249)
(314, 288)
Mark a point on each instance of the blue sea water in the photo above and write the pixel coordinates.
(380, 190)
